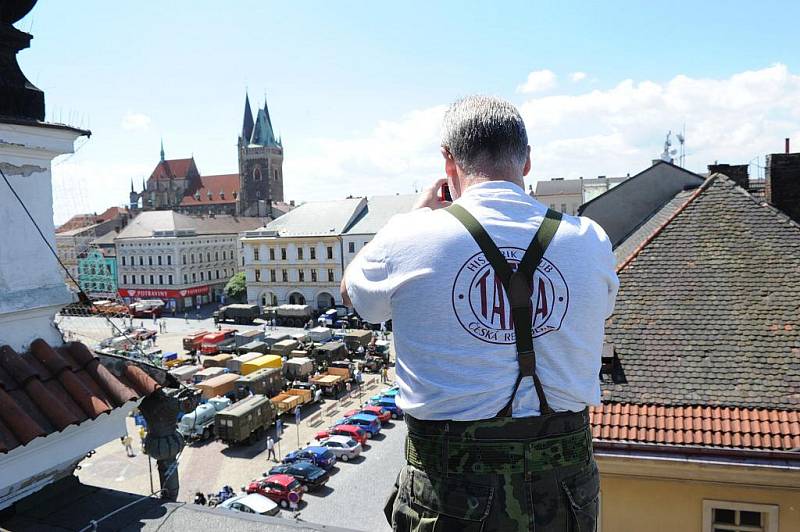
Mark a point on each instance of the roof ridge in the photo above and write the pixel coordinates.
(759, 202)
(702, 188)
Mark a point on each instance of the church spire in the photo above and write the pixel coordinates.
(162, 150)
(247, 122)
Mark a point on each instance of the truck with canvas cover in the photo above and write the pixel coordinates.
(221, 385)
(234, 365)
(207, 373)
(330, 352)
(237, 313)
(146, 308)
(210, 343)
(292, 398)
(262, 362)
(356, 338)
(320, 334)
(228, 346)
(216, 361)
(300, 337)
(290, 315)
(245, 337)
(284, 347)
(268, 381)
(184, 373)
(193, 340)
(298, 353)
(199, 423)
(245, 421)
(273, 337)
(332, 382)
(298, 369)
(255, 346)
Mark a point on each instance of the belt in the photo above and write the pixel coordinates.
(449, 455)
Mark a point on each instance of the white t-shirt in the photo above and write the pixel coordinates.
(453, 334)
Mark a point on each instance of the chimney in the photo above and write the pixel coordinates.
(786, 148)
(737, 172)
(782, 186)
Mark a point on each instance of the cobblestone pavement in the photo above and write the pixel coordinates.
(360, 487)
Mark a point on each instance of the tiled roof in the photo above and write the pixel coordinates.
(146, 223)
(705, 426)
(558, 187)
(172, 168)
(228, 184)
(707, 310)
(649, 226)
(46, 390)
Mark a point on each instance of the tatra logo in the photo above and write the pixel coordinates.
(481, 303)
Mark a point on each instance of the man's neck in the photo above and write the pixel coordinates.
(475, 179)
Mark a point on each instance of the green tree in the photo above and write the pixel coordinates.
(236, 289)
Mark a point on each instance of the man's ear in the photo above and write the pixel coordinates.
(449, 165)
(527, 168)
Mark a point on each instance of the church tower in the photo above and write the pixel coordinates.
(260, 164)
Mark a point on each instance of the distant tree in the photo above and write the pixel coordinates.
(236, 289)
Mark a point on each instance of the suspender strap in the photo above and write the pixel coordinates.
(518, 287)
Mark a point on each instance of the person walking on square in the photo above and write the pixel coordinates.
(271, 449)
(126, 442)
(142, 435)
(498, 306)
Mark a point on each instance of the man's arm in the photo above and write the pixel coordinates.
(343, 290)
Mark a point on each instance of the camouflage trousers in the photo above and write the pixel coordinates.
(504, 474)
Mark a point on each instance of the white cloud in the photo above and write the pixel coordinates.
(135, 121)
(577, 76)
(538, 81)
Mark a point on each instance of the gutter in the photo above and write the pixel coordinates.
(788, 457)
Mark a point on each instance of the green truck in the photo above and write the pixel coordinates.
(246, 421)
(267, 381)
(329, 352)
(237, 313)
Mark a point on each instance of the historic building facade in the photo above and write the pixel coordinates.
(97, 275)
(256, 190)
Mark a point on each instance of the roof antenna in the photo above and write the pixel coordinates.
(682, 140)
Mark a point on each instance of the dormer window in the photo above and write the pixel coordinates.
(197, 196)
(221, 194)
(235, 194)
(210, 195)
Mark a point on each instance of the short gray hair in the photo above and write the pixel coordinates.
(485, 134)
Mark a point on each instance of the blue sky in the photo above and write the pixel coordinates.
(357, 89)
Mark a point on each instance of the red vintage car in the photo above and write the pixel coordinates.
(283, 489)
(381, 413)
(351, 431)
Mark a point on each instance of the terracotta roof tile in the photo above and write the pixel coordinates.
(46, 390)
(697, 425)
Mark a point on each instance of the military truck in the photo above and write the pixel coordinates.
(199, 424)
(290, 315)
(319, 334)
(245, 421)
(237, 313)
(268, 381)
(284, 347)
(330, 352)
(298, 369)
(253, 347)
(234, 365)
(245, 337)
(357, 338)
(332, 382)
(291, 399)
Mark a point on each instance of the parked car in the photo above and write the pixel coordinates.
(319, 456)
(253, 503)
(378, 411)
(309, 475)
(351, 431)
(343, 447)
(371, 424)
(388, 403)
(283, 489)
(388, 392)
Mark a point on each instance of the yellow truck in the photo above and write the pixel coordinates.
(263, 362)
(288, 400)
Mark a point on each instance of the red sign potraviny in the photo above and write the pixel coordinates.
(169, 294)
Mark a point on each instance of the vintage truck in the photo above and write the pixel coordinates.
(245, 337)
(255, 346)
(184, 373)
(332, 382)
(292, 398)
(237, 313)
(330, 352)
(210, 343)
(146, 308)
(290, 315)
(234, 365)
(319, 334)
(245, 421)
(356, 338)
(267, 381)
(193, 340)
(216, 361)
(284, 347)
(221, 385)
(298, 369)
(199, 424)
(207, 373)
(262, 362)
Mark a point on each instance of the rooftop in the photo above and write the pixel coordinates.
(148, 222)
(223, 189)
(378, 212)
(317, 218)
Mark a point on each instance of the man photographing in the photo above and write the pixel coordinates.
(498, 307)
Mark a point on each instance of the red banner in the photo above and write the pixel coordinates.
(165, 294)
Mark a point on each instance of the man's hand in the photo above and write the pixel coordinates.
(430, 197)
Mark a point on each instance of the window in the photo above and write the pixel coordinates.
(271, 253)
(150, 260)
(169, 260)
(124, 279)
(351, 247)
(152, 280)
(208, 256)
(257, 173)
(225, 273)
(141, 260)
(185, 279)
(161, 279)
(199, 257)
(285, 276)
(192, 258)
(272, 275)
(313, 275)
(312, 253)
(184, 259)
(564, 207)
(123, 260)
(276, 175)
(365, 243)
(330, 276)
(202, 276)
(553, 206)
(194, 277)
(224, 255)
(724, 516)
(299, 253)
(301, 276)
(242, 261)
(256, 254)
(217, 274)
(258, 276)
(159, 260)
(216, 255)
(283, 253)
(169, 279)
(330, 252)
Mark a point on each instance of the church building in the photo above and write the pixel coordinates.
(257, 190)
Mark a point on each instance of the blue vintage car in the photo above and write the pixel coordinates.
(319, 456)
(388, 403)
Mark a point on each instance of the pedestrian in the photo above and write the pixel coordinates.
(435, 272)
(126, 442)
(384, 374)
(142, 435)
(164, 324)
(347, 387)
(271, 449)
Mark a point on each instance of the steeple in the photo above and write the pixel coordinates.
(162, 150)
(263, 134)
(247, 122)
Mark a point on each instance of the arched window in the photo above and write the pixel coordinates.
(257, 173)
